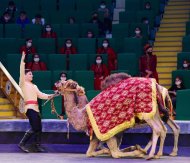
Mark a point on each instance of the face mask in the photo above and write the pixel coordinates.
(150, 53)
(29, 44)
(48, 29)
(36, 59)
(177, 82)
(102, 6)
(185, 65)
(89, 35)
(6, 18)
(63, 78)
(105, 45)
(98, 61)
(137, 32)
(146, 22)
(68, 45)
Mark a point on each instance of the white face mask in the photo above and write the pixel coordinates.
(98, 61)
(68, 45)
(29, 44)
(6, 18)
(102, 6)
(137, 32)
(63, 78)
(48, 29)
(105, 45)
(36, 59)
(185, 65)
(177, 82)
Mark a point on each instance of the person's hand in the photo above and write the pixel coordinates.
(51, 96)
(23, 56)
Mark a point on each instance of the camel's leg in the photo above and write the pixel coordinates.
(176, 130)
(156, 133)
(112, 145)
(148, 145)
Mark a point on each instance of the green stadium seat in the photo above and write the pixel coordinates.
(13, 65)
(184, 74)
(56, 28)
(48, 4)
(57, 17)
(181, 57)
(85, 79)
(56, 75)
(133, 5)
(42, 79)
(127, 17)
(30, 5)
(146, 14)
(32, 31)
(82, 5)
(1, 31)
(91, 94)
(182, 105)
(12, 31)
(78, 62)
(57, 62)
(128, 61)
(85, 27)
(86, 45)
(120, 30)
(46, 109)
(187, 28)
(46, 45)
(133, 45)
(8, 45)
(69, 30)
(4, 4)
(65, 5)
(92, 57)
(185, 44)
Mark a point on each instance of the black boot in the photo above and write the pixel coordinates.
(38, 147)
(22, 143)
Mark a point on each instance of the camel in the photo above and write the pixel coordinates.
(75, 102)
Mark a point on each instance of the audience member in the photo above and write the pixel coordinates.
(48, 32)
(185, 65)
(36, 64)
(148, 63)
(62, 79)
(23, 19)
(100, 72)
(6, 18)
(138, 33)
(90, 34)
(11, 9)
(112, 56)
(178, 85)
(68, 47)
(147, 6)
(71, 20)
(38, 20)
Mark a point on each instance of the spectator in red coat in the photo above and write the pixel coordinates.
(68, 47)
(100, 72)
(36, 64)
(28, 48)
(48, 32)
(63, 78)
(148, 63)
(106, 49)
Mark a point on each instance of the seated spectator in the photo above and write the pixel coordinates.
(28, 48)
(100, 72)
(23, 19)
(95, 20)
(36, 64)
(147, 6)
(90, 34)
(112, 56)
(38, 20)
(68, 47)
(138, 33)
(6, 18)
(145, 20)
(178, 85)
(11, 9)
(63, 78)
(185, 65)
(48, 32)
(71, 20)
(107, 17)
(148, 63)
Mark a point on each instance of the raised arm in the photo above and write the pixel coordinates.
(22, 69)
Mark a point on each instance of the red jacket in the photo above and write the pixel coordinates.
(100, 72)
(149, 63)
(65, 50)
(39, 66)
(49, 35)
(111, 56)
(31, 50)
